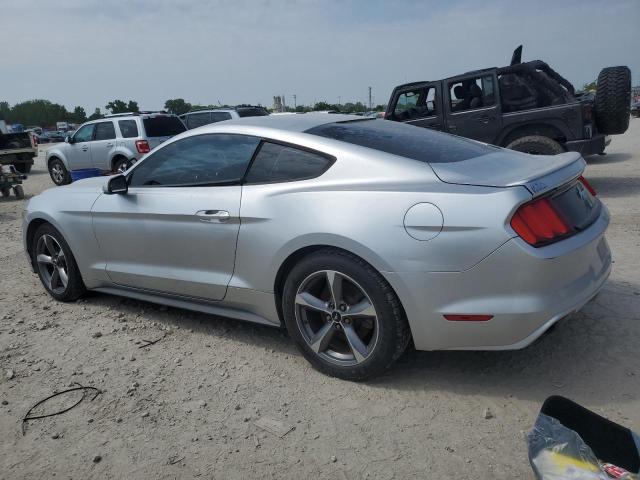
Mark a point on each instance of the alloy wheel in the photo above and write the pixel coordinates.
(336, 317)
(57, 173)
(52, 264)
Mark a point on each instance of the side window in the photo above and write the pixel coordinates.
(279, 163)
(105, 131)
(128, 128)
(220, 116)
(199, 160)
(195, 120)
(472, 93)
(418, 103)
(84, 134)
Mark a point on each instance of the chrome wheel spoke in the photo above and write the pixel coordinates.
(50, 244)
(45, 259)
(334, 279)
(320, 341)
(63, 276)
(305, 299)
(363, 308)
(358, 348)
(55, 279)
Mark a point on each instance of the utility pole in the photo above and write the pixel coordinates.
(294, 101)
(339, 100)
(370, 99)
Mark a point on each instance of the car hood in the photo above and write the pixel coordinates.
(507, 168)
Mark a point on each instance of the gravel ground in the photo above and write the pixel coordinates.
(187, 406)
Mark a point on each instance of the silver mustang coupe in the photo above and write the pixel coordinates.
(357, 235)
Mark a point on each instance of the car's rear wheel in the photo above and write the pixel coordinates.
(536, 145)
(121, 165)
(56, 265)
(344, 317)
(58, 172)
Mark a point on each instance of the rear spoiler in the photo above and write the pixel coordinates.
(574, 166)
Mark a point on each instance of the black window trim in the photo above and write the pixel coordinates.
(331, 160)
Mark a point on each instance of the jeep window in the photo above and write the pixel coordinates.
(280, 163)
(471, 93)
(163, 126)
(84, 134)
(404, 140)
(220, 116)
(128, 128)
(418, 103)
(199, 160)
(105, 131)
(195, 120)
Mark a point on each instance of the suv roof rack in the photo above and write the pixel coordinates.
(132, 114)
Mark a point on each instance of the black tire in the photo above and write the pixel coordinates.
(393, 334)
(75, 286)
(23, 167)
(120, 162)
(613, 100)
(18, 192)
(536, 145)
(59, 179)
(6, 191)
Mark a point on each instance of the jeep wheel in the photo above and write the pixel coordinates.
(613, 100)
(536, 145)
(58, 172)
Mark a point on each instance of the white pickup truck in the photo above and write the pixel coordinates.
(17, 149)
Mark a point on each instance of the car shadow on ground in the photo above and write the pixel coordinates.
(577, 358)
(608, 158)
(616, 186)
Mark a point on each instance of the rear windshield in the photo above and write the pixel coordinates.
(404, 140)
(163, 126)
(252, 112)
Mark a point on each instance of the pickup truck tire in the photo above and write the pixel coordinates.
(19, 192)
(23, 167)
(536, 145)
(613, 100)
(6, 191)
(58, 172)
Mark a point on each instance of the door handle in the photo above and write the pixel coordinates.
(85, 148)
(213, 216)
(485, 118)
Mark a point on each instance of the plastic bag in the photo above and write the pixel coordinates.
(558, 453)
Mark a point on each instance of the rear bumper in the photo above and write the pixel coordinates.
(591, 146)
(526, 289)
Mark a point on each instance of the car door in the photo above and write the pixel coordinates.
(419, 105)
(104, 140)
(473, 109)
(78, 151)
(176, 228)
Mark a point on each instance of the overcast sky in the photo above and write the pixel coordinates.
(87, 52)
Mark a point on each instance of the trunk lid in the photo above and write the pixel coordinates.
(508, 168)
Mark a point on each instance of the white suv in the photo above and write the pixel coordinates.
(111, 144)
(198, 118)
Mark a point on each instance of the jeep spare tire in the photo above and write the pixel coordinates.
(613, 100)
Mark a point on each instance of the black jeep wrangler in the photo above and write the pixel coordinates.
(525, 106)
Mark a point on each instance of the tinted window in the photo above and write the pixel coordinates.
(128, 128)
(198, 119)
(163, 126)
(278, 163)
(252, 112)
(84, 134)
(220, 116)
(198, 160)
(471, 93)
(405, 140)
(105, 131)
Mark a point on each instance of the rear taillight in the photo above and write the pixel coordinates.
(538, 222)
(143, 146)
(588, 186)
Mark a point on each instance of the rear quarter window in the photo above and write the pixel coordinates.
(128, 128)
(282, 163)
(163, 126)
(404, 140)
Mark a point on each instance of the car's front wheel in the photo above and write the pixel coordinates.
(343, 315)
(56, 265)
(58, 172)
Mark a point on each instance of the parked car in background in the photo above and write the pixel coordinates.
(635, 109)
(56, 136)
(526, 107)
(199, 118)
(359, 235)
(111, 144)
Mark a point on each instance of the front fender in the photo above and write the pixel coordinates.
(58, 153)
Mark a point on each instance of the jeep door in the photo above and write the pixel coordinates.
(473, 107)
(418, 104)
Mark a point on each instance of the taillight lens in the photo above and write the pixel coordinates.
(143, 146)
(588, 186)
(538, 222)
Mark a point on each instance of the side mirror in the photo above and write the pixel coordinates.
(67, 139)
(117, 184)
